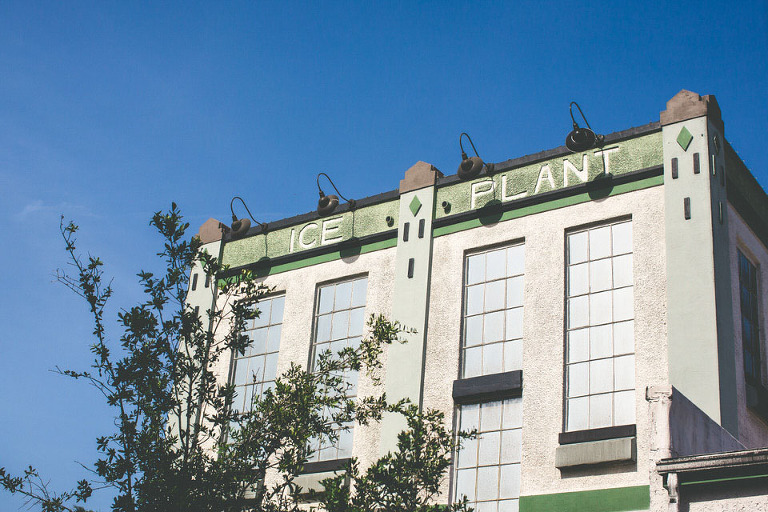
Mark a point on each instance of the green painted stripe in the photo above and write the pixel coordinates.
(549, 205)
(321, 258)
(725, 479)
(622, 499)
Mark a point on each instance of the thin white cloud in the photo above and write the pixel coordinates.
(38, 207)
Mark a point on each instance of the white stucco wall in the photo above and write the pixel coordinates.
(753, 432)
(543, 342)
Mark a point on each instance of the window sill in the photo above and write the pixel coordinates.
(597, 434)
(488, 388)
(597, 446)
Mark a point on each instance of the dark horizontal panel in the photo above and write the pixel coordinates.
(324, 466)
(488, 387)
(598, 434)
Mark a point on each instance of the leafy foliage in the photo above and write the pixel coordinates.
(180, 445)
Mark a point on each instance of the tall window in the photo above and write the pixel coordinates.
(493, 311)
(255, 371)
(750, 327)
(339, 323)
(600, 360)
(488, 468)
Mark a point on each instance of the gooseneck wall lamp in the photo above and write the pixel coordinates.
(582, 139)
(241, 226)
(326, 204)
(470, 167)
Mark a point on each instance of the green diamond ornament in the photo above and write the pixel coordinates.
(684, 138)
(415, 205)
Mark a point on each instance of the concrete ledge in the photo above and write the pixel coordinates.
(623, 449)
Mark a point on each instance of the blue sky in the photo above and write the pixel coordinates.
(111, 110)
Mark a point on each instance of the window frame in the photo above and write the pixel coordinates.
(236, 357)
(315, 460)
(759, 379)
(515, 242)
(612, 428)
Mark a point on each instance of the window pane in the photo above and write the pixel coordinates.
(600, 275)
(577, 248)
(357, 322)
(600, 308)
(510, 481)
(622, 238)
(323, 328)
(495, 265)
(578, 413)
(516, 260)
(470, 417)
(476, 269)
(511, 442)
(578, 379)
(273, 338)
(475, 299)
(465, 483)
(264, 308)
(494, 327)
(578, 279)
(600, 342)
(488, 483)
(624, 338)
(494, 296)
(599, 243)
(513, 355)
(623, 303)
(474, 330)
(489, 448)
(259, 343)
(514, 324)
(514, 292)
(600, 411)
(624, 404)
(622, 271)
(490, 416)
(513, 413)
(326, 300)
(578, 345)
(624, 372)
(343, 296)
(472, 362)
(340, 325)
(493, 358)
(359, 288)
(601, 376)
(578, 312)
(467, 455)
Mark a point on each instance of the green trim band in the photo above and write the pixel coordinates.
(728, 479)
(622, 499)
(549, 205)
(315, 260)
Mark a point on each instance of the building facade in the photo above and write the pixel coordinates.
(599, 317)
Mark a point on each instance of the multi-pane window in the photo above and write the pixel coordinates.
(339, 323)
(254, 372)
(488, 467)
(600, 360)
(750, 326)
(493, 311)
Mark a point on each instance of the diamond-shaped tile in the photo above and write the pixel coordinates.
(684, 138)
(415, 205)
